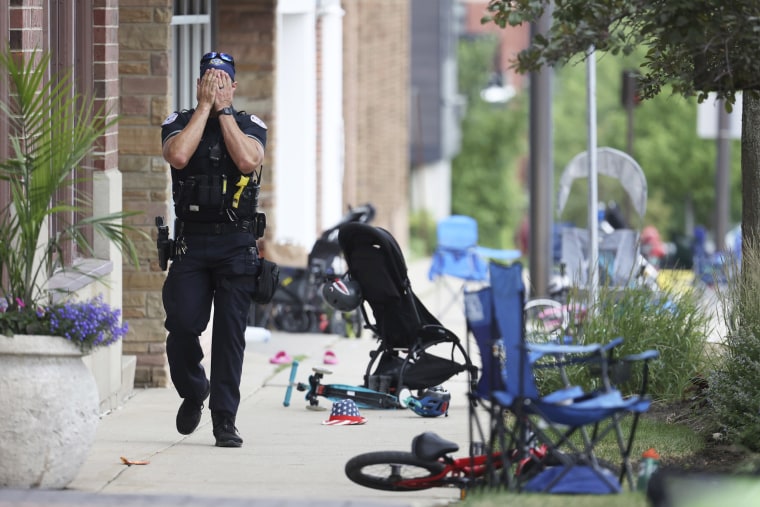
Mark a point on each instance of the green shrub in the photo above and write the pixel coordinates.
(733, 387)
(670, 322)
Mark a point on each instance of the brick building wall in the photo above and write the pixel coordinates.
(376, 108)
(25, 25)
(145, 42)
(106, 76)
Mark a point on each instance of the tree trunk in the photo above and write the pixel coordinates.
(750, 171)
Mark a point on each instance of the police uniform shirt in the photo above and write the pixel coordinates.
(250, 124)
(201, 162)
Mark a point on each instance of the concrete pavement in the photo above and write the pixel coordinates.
(289, 457)
(288, 454)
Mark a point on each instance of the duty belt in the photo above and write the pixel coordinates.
(215, 228)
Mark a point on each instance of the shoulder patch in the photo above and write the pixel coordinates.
(169, 119)
(258, 121)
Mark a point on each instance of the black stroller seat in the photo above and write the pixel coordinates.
(414, 347)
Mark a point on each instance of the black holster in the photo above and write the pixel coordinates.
(164, 244)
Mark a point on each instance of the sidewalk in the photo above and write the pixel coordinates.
(288, 459)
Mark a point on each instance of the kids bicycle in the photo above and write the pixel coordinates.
(431, 464)
(362, 396)
(429, 403)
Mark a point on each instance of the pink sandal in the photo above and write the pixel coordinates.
(281, 357)
(330, 357)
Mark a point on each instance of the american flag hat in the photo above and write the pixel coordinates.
(344, 413)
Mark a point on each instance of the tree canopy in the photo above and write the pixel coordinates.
(693, 46)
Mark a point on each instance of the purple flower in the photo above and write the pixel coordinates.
(89, 324)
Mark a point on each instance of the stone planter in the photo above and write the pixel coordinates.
(49, 403)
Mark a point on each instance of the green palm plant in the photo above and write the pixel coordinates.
(52, 131)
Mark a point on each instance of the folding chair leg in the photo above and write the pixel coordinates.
(627, 466)
(455, 296)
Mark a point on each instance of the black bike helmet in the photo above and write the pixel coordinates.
(431, 402)
(343, 294)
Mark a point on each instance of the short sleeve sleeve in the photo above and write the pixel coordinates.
(173, 125)
(253, 126)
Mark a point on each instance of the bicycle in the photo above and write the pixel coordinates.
(362, 396)
(431, 464)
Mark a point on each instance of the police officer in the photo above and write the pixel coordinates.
(214, 152)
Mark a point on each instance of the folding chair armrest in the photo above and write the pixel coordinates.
(564, 396)
(546, 349)
(567, 355)
(612, 344)
(555, 348)
(642, 356)
(496, 254)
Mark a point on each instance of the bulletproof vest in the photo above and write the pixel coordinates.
(211, 188)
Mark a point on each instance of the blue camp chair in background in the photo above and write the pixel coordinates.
(458, 256)
(550, 439)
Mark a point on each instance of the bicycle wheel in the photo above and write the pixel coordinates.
(293, 319)
(393, 471)
(545, 320)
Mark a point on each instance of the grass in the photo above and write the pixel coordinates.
(633, 499)
(672, 441)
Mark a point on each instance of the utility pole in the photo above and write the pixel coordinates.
(541, 169)
(630, 99)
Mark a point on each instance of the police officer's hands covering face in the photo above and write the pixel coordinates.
(225, 90)
(207, 87)
(215, 89)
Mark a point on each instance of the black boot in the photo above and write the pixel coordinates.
(225, 432)
(189, 413)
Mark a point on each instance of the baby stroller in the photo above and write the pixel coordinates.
(297, 306)
(415, 350)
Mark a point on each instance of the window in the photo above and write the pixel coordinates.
(191, 30)
(69, 27)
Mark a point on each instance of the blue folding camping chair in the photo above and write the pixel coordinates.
(566, 424)
(458, 256)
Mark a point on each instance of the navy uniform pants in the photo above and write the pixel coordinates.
(218, 269)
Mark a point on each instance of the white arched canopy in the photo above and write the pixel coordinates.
(610, 162)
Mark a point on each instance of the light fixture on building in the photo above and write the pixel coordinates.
(496, 92)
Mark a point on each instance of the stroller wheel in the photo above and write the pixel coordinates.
(294, 321)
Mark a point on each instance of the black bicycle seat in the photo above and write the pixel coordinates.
(429, 446)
